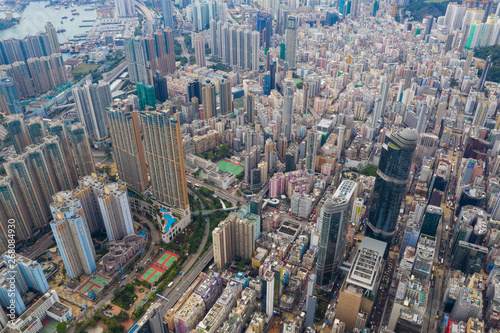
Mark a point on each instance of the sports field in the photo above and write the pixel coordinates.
(152, 274)
(95, 284)
(158, 267)
(167, 259)
(226, 166)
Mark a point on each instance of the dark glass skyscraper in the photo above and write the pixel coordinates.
(392, 176)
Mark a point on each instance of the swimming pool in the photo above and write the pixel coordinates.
(170, 219)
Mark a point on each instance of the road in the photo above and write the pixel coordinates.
(147, 26)
(41, 246)
(178, 289)
(226, 195)
(155, 238)
(117, 71)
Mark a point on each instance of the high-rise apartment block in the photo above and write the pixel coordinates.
(72, 235)
(165, 157)
(128, 148)
(36, 75)
(236, 235)
(9, 98)
(81, 149)
(209, 101)
(291, 40)
(18, 132)
(226, 97)
(91, 102)
(25, 274)
(52, 36)
(199, 50)
(149, 55)
(115, 209)
(125, 8)
(57, 128)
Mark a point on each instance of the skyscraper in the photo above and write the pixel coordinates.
(9, 96)
(53, 40)
(288, 109)
(146, 94)
(486, 69)
(312, 147)
(255, 51)
(125, 8)
(250, 107)
(56, 128)
(165, 157)
(88, 191)
(291, 40)
(18, 132)
(431, 220)
(208, 97)
(199, 50)
(332, 246)
(42, 176)
(91, 102)
(36, 129)
(72, 235)
(12, 208)
(226, 97)
(168, 17)
(136, 56)
(27, 190)
(115, 209)
(129, 155)
(161, 88)
(384, 92)
(58, 168)
(390, 183)
(83, 155)
(213, 38)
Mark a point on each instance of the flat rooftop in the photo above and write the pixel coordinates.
(367, 262)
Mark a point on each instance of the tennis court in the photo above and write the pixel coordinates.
(152, 274)
(227, 166)
(166, 260)
(96, 284)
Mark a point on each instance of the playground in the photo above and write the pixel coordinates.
(95, 284)
(228, 166)
(158, 267)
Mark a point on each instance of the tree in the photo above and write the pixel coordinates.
(62, 327)
(192, 60)
(224, 150)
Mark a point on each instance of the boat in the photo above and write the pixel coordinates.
(89, 9)
(72, 19)
(73, 10)
(64, 17)
(58, 7)
(66, 7)
(75, 13)
(62, 22)
(61, 30)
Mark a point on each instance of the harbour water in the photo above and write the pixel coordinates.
(35, 16)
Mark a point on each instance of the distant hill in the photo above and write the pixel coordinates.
(420, 9)
(494, 51)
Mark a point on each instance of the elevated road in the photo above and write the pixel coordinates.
(115, 73)
(176, 291)
(218, 191)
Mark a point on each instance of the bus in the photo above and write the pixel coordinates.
(170, 284)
